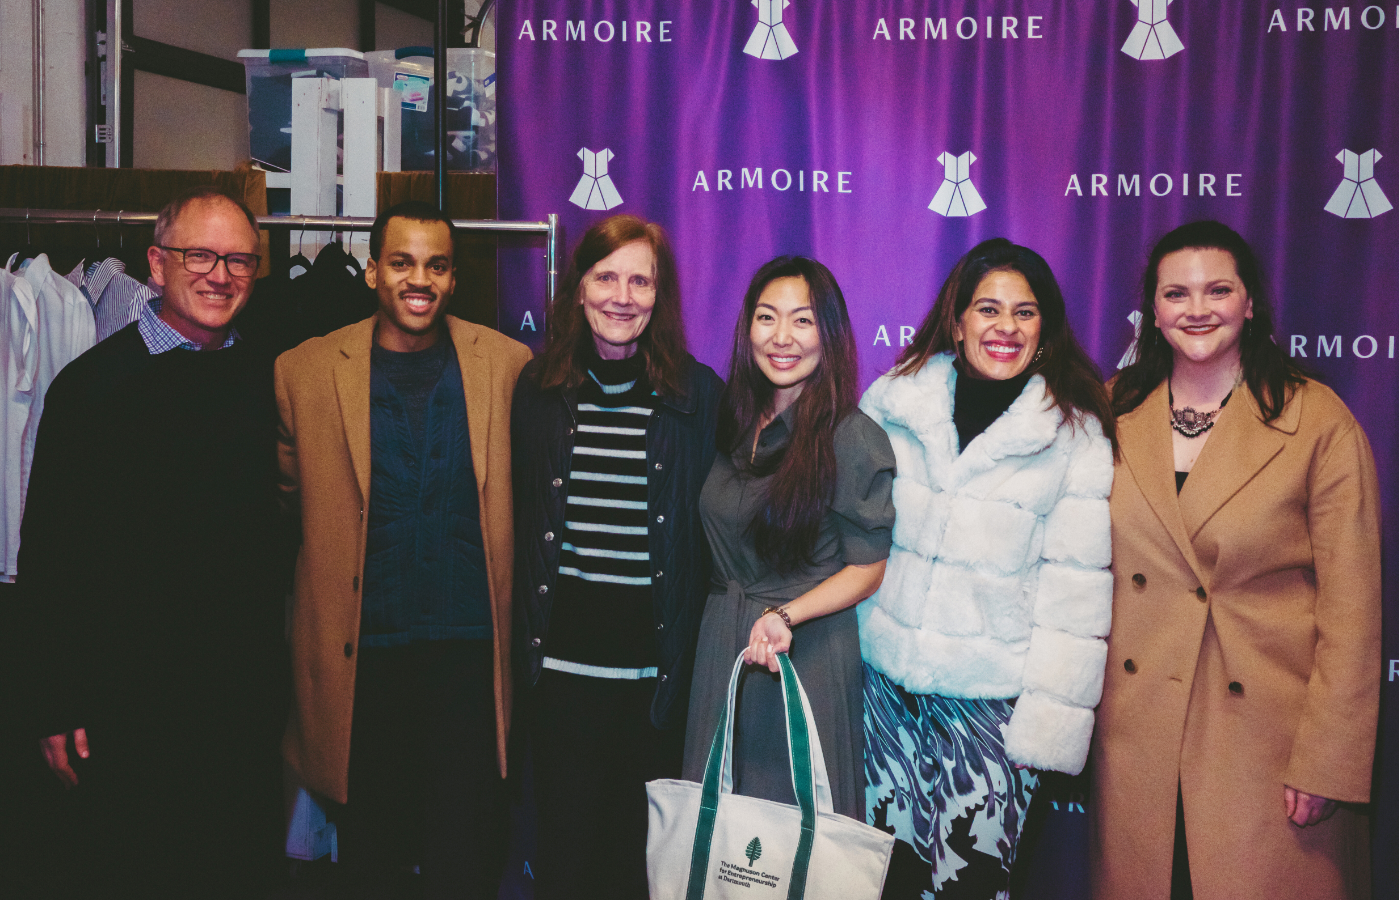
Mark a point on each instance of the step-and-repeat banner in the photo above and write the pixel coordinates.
(887, 137)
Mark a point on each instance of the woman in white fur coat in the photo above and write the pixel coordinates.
(984, 646)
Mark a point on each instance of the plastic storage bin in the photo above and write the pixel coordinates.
(471, 105)
(269, 75)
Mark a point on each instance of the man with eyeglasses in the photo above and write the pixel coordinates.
(153, 564)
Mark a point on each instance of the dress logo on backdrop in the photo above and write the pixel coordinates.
(1358, 196)
(1152, 37)
(957, 196)
(1130, 355)
(770, 38)
(595, 190)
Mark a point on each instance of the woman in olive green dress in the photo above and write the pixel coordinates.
(798, 513)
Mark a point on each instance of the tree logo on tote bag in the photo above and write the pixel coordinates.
(770, 38)
(1152, 37)
(753, 851)
(1358, 196)
(595, 190)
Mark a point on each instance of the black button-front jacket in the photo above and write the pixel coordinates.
(680, 451)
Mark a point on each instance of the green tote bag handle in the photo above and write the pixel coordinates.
(809, 779)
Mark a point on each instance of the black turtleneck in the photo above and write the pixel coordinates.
(978, 402)
(615, 372)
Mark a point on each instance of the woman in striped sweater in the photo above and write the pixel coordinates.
(612, 431)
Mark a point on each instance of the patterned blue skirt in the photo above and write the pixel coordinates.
(938, 779)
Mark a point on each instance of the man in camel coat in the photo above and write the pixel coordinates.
(394, 447)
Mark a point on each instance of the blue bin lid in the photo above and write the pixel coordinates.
(299, 55)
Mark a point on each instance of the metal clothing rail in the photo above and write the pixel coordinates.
(94, 217)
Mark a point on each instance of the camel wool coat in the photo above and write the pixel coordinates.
(323, 400)
(1245, 654)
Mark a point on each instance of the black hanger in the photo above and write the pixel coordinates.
(299, 259)
(333, 256)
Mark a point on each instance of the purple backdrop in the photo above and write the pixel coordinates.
(842, 130)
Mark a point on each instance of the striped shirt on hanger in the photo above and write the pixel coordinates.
(117, 299)
(602, 620)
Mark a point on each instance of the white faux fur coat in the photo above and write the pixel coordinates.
(998, 583)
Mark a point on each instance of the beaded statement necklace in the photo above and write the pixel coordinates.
(1188, 422)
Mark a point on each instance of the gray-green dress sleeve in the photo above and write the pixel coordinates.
(863, 507)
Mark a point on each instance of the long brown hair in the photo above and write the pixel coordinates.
(785, 529)
(1268, 371)
(567, 335)
(1071, 378)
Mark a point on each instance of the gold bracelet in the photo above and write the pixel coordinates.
(781, 613)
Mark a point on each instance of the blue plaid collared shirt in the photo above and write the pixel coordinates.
(161, 338)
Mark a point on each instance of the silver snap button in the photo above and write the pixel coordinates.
(535, 642)
(660, 519)
(658, 467)
(659, 573)
(548, 536)
(558, 482)
(544, 589)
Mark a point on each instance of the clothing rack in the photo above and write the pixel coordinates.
(95, 217)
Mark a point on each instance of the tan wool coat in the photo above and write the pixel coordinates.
(1244, 654)
(324, 456)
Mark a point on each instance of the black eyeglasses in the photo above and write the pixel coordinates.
(202, 262)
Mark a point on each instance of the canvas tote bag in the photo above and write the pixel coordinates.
(704, 842)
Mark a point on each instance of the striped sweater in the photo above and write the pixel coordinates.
(602, 620)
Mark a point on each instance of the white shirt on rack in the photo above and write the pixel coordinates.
(19, 355)
(64, 330)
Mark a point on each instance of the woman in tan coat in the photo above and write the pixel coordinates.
(1239, 709)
